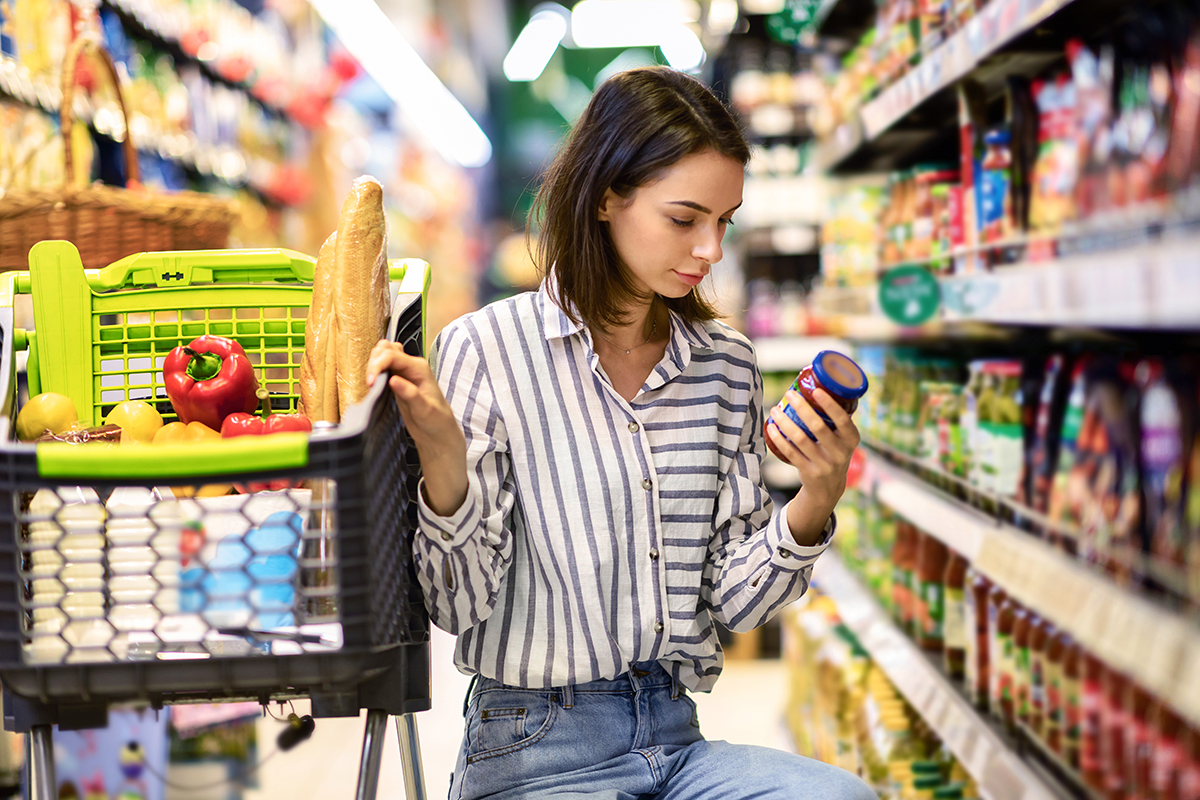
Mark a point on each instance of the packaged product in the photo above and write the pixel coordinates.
(951, 450)
(930, 192)
(1106, 472)
(1024, 621)
(1022, 115)
(838, 376)
(1183, 155)
(1091, 723)
(1055, 679)
(1056, 170)
(1166, 753)
(1041, 631)
(1192, 521)
(1000, 620)
(1047, 427)
(904, 585)
(1093, 76)
(956, 628)
(930, 572)
(1000, 431)
(1063, 507)
(1073, 666)
(1164, 436)
(995, 188)
(976, 656)
(1116, 723)
(1139, 739)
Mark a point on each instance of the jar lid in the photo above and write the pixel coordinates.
(840, 375)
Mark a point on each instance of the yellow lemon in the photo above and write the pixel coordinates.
(138, 419)
(46, 412)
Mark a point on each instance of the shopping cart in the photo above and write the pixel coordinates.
(120, 584)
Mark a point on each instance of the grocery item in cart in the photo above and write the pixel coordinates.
(318, 370)
(838, 375)
(361, 291)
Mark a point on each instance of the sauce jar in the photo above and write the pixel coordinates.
(836, 374)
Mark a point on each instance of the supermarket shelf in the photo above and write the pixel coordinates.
(999, 771)
(844, 19)
(1002, 40)
(139, 16)
(1151, 643)
(1149, 286)
(793, 353)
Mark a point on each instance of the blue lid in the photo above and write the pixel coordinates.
(845, 389)
(998, 136)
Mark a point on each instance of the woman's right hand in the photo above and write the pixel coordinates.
(430, 421)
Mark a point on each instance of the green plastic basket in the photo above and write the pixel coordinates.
(100, 338)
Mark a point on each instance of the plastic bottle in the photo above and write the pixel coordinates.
(1055, 672)
(1166, 756)
(1073, 665)
(1040, 632)
(904, 560)
(932, 556)
(1091, 730)
(955, 628)
(1140, 709)
(999, 650)
(1023, 621)
(975, 657)
(1112, 740)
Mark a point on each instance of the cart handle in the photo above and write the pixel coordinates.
(151, 463)
(186, 267)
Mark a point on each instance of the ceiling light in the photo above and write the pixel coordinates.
(681, 48)
(424, 102)
(722, 16)
(535, 45)
(629, 23)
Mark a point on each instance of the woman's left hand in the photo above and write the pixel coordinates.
(822, 464)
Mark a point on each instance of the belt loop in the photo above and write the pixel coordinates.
(470, 688)
(676, 686)
(568, 696)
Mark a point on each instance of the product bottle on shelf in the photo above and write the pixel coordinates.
(999, 652)
(1166, 756)
(1091, 731)
(956, 630)
(1055, 675)
(1140, 709)
(1040, 633)
(1112, 740)
(1023, 622)
(904, 559)
(975, 656)
(930, 602)
(1072, 711)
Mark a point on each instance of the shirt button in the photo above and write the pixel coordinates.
(447, 536)
(658, 627)
(653, 554)
(784, 553)
(633, 427)
(647, 484)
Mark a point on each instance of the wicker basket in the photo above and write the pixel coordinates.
(107, 223)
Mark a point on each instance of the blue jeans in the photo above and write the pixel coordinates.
(630, 738)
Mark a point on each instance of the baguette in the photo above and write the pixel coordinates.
(361, 294)
(318, 370)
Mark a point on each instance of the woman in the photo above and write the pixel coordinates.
(592, 504)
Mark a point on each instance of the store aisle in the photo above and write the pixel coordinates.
(746, 707)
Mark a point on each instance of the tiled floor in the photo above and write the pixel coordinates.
(746, 707)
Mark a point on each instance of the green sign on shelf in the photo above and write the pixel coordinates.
(909, 295)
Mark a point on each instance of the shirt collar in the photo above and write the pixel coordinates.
(557, 325)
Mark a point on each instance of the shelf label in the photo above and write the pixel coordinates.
(909, 295)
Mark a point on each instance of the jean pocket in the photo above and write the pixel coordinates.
(505, 721)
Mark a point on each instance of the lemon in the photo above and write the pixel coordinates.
(46, 412)
(138, 419)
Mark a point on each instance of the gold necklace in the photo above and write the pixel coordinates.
(628, 350)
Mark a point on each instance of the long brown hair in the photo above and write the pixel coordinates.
(638, 124)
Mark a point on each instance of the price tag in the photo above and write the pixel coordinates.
(909, 296)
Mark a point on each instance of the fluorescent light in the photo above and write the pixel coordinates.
(535, 45)
(722, 16)
(682, 49)
(426, 104)
(629, 23)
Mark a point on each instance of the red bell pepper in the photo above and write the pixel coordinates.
(242, 424)
(210, 379)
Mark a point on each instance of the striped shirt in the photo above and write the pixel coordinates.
(598, 532)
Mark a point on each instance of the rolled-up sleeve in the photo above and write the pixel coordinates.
(462, 558)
